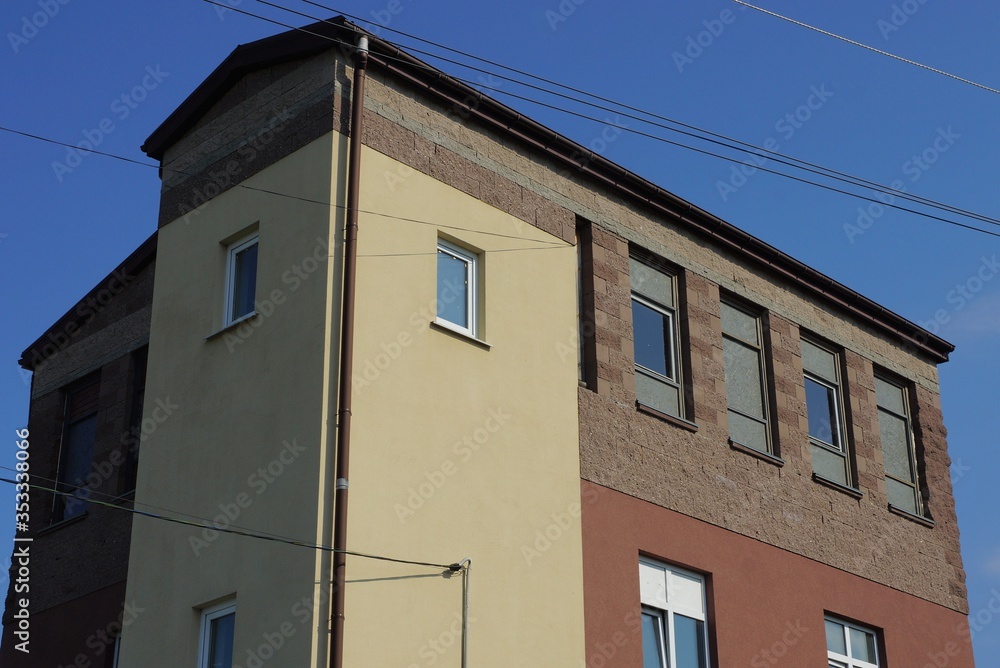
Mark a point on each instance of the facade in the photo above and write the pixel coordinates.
(85, 430)
(593, 425)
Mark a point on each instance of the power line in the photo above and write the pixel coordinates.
(116, 499)
(553, 244)
(749, 148)
(870, 48)
(891, 193)
(883, 189)
(245, 533)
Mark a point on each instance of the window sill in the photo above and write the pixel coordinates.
(852, 492)
(448, 328)
(231, 326)
(919, 519)
(676, 421)
(763, 456)
(63, 523)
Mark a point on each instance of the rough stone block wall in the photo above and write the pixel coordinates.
(691, 470)
(697, 472)
(89, 553)
(268, 115)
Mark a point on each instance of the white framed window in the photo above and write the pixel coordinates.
(655, 336)
(674, 617)
(241, 279)
(825, 408)
(850, 646)
(218, 624)
(746, 384)
(901, 480)
(457, 286)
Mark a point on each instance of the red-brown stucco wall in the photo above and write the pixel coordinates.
(766, 605)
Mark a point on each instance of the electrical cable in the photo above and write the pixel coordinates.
(554, 244)
(870, 48)
(892, 193)
(247, 534)
(752, 149)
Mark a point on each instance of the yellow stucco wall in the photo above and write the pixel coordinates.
(459, 450)
(247, 432)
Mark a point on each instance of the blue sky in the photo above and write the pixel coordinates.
(112, 71)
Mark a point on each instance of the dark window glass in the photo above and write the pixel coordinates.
(76, 456)
(821, 403)
(244, 281)
(220, 652)
(652, 339)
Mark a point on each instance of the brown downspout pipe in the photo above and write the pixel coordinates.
(347, 358)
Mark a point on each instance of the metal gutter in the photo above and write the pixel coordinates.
(347, 358)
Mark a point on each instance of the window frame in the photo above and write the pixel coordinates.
(839, 408)
(665, 630)
(59, 501)
(916, 485)
(232, 250)
(139, 367)
(837, 660)
(471, 260)
(208, 615)
(116, 650)
(673, 329)
(759, 316)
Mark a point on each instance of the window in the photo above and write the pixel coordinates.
(134, 436)
(218, 624)
(674, 628)
(850, 646)
(654, 327)
(241, 279)
(746, 391)
(824, 404)
(76, 452)
(586, 295)
(456, 288)
(901, 479)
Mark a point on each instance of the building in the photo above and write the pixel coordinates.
(592, 425)
(86, 425)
